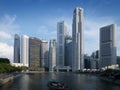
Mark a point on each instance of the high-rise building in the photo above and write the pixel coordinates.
(25, 50)
(44, 54)
(34, 53)
(78, 40)
(95, 60)
(68, 51)
(52, 55)
(108, 45)
(87, 63)
(61, 34)
(17, 49)
(118, 60)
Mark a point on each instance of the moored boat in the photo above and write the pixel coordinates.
(54, 85)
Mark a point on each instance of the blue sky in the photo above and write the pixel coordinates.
(38, 18)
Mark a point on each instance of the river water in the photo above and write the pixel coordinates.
(38, 81)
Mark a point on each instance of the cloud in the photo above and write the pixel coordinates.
(8, 28)
(4, 35)
(47, 32)
(6, 51)
(8, 24)
(48, 28)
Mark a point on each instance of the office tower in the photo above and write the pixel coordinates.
(118, 60)
(68, 51)
(78, 40)
(95, 60)
(52, 55)
(44, 54)
(17, 49)
(34, 53)
(108, 45)
(25, 50)
(87, 63)
(61, 34)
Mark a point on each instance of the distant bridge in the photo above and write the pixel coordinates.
(62, 68)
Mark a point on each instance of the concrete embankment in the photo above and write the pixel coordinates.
(7, 78)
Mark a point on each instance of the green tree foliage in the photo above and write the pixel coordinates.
(7, 68)
(4, 60)
(112, 71)
(24, 68)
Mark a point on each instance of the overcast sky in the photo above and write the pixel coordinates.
(38, 18)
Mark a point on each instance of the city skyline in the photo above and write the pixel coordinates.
(40, 21)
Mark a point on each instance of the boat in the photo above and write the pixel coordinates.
(117, 76)
(55, 85)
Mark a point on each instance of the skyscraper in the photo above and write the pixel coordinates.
(61, 34)
(34, 53)
(44, 54)
(17, 49)
(52, 55)
(87, 61)
(25, 50)
(108, 45)
(95, 60)
(68, 51)
(78, 40)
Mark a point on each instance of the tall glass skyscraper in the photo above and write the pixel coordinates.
(25, 50)
(61, 34)
(44, 53)
(52, 55)
(78, 40)
(17, 49)
(108, 45)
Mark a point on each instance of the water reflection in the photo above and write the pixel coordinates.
(74, 81)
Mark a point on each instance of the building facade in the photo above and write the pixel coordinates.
(61, 34)
(25, 50)
(87, 63)
(34, 54)
(108, 45)
(68, 51)
(95, 60)
(118, 61)
(17, 48)
(52, 55)
(44, 54)
(78, 40)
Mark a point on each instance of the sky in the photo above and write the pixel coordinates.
(38, 18)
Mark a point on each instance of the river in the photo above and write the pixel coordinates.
(38, 81)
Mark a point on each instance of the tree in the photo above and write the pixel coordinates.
(4, 60)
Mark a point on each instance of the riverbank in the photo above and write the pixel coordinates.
(105, 76)
(111, 80)
(5, 78)
(27, 72)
